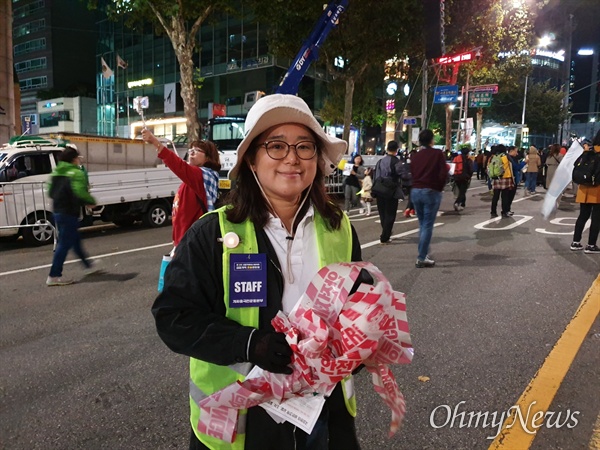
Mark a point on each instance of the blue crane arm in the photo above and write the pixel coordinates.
(310, 49)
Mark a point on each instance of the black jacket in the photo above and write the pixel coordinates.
(190, 312)
(190, 319)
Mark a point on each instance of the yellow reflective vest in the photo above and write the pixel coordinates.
(206, 378)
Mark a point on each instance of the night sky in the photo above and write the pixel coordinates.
(586, 34)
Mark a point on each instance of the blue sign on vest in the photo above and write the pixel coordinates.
(247, 280)
(445, 94)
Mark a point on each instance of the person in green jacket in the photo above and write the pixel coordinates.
(68, 189)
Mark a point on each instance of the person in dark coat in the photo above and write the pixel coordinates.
(388, 167)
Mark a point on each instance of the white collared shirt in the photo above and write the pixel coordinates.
(303, 263)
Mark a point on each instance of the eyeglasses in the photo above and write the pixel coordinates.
(194, 150)
(279, 149)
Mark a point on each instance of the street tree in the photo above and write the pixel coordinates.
(505, 32)
(180, 20)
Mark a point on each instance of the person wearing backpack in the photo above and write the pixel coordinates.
(500, 171)
(463, 171)
(588, 197)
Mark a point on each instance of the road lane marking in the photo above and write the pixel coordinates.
(72, 261)
(525, 198)
(482, 225)
(396, 236)
(595, 440)
(559, 221)
(545, 383)
(106, 255)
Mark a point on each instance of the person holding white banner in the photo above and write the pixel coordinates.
(238, 266)
(588, 197)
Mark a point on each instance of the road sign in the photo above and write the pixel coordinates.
(409, 121)
(493, 88)
(445, 94)
(480, 99)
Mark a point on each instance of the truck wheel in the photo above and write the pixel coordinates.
(42, 232)
(156, 216)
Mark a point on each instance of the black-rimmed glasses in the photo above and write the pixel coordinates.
(279, 149)
(194, 150)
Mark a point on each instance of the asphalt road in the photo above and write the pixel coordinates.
(82, 366)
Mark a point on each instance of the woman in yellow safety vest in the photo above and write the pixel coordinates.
(218, 311)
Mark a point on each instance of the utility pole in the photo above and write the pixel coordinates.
(524, 101)
(424, 90)
(466, 108)
(478, 148)
(448, 127)
(564, 130)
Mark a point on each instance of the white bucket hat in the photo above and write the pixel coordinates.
(278, 109)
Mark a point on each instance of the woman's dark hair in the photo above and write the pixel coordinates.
(68, 155)
(554, 149)
(212, 154)
(361, 159)
(597, 139)
(248, 202)
(426, 137)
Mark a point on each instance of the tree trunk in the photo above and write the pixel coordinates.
(348, 108)
(188, 94)
(183, 45)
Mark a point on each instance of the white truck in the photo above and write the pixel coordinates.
(123, 196)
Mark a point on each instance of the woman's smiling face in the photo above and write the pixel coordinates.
(287, 178)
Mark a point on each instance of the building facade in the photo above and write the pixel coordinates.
(54, 44)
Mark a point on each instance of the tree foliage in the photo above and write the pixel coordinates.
(365, 38)
(503, 27)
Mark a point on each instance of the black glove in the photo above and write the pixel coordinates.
(363, 277)
(270, 351)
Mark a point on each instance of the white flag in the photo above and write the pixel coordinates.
(561, 179)
(121, 62)
(106, 71)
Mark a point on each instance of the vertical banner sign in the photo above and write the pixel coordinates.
(170, 98)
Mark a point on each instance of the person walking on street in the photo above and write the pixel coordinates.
(463, 171)
(429, 174)
(388, 167)
(365, 193)
(552, 161)
(534, 162)
(480, 161)
(200, 175)
(352, 184)
(406, 177)
(287, 228)
(513, 158)
(503, 184)
(68, 189)
(588, 198)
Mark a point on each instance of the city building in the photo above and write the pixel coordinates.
(53, 56)
(67, 115)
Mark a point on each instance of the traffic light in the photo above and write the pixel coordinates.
(434, 28)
